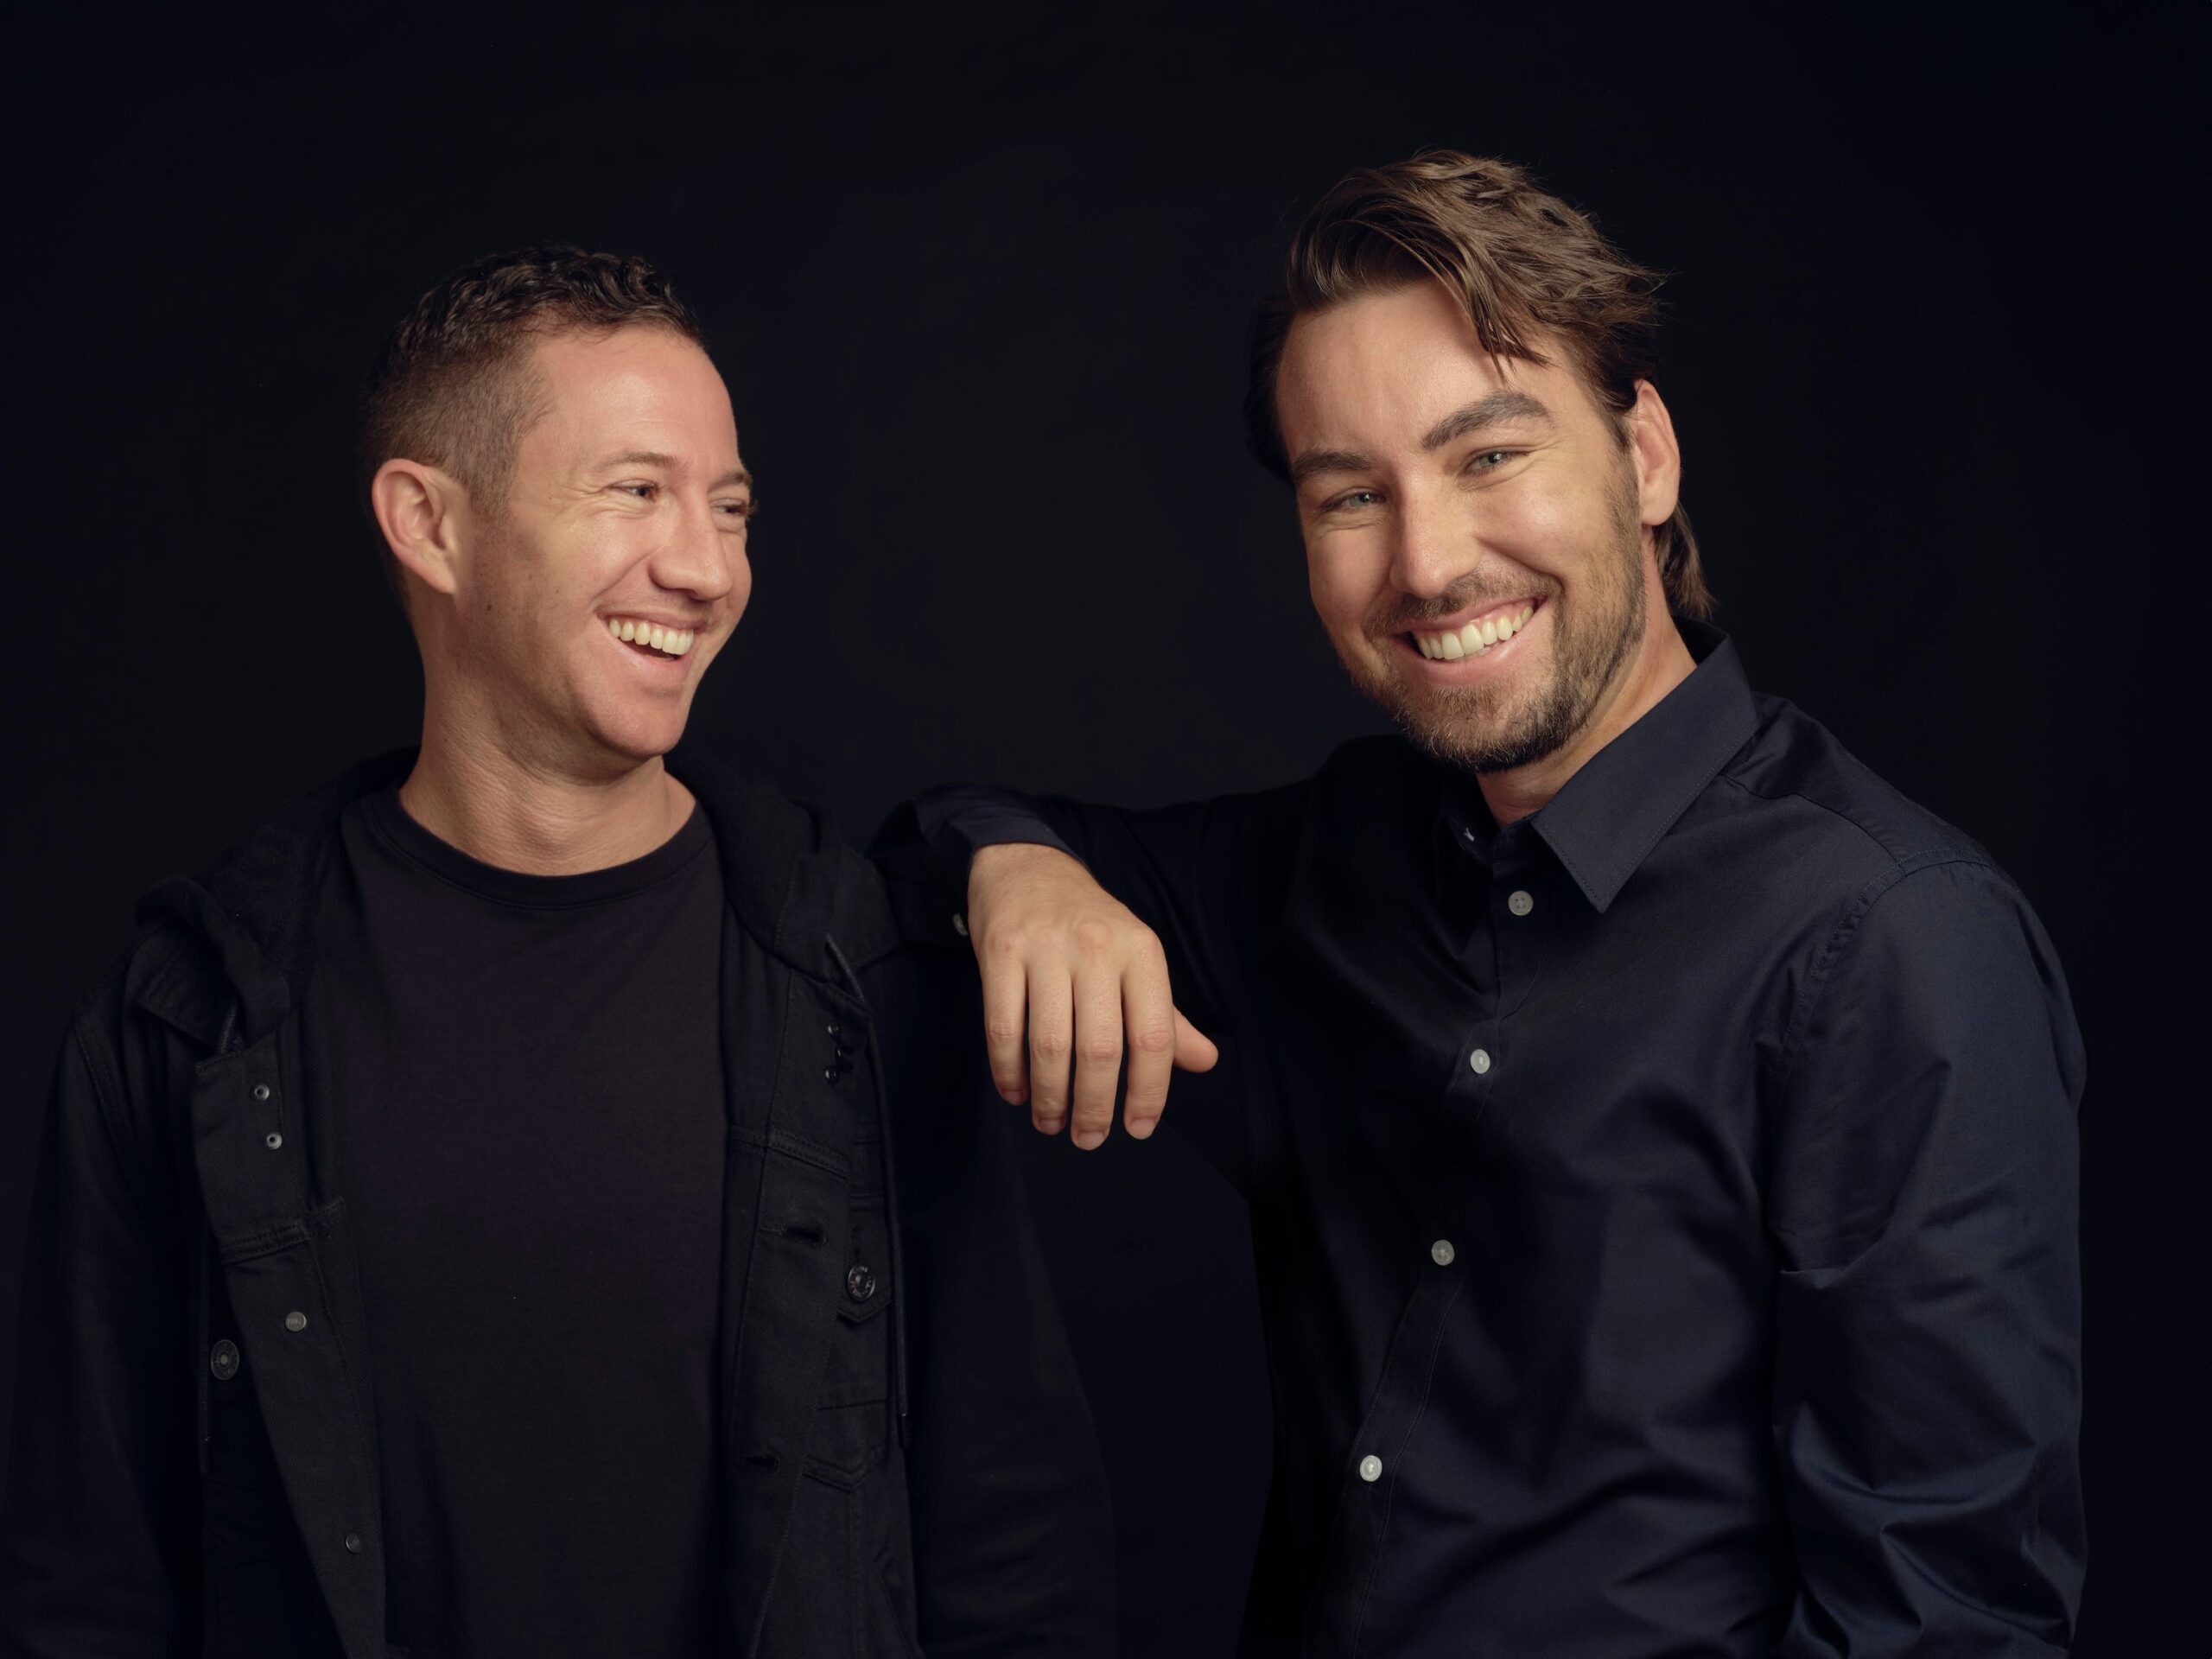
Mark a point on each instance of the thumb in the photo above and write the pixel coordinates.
(1194, 1049)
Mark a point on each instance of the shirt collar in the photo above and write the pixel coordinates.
(1613, 812)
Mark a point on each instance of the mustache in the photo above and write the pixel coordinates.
(1401, 614)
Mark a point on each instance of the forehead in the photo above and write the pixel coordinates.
(636, 388)
(1374, 373)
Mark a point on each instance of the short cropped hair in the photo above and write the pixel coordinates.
(1516, 260)
(451, 387)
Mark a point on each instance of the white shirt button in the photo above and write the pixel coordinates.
(1479, 1061)
(1441, 1252)
(1371, 1467)
(1519, 901)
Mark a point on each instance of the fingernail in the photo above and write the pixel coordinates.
(1087, 1138)
(1141, 1128)
(1049, 1125)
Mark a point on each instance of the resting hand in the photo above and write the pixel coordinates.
(1067, 971)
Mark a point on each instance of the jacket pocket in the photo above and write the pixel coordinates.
(852, 1419)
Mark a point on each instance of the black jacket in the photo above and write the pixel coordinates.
(195, 1467)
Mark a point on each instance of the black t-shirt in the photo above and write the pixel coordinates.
(527, 1076)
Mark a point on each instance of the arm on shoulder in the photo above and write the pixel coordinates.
(1119, 944)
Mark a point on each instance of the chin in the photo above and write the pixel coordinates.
(638, 740)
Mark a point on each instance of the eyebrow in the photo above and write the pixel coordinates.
(654, 458)
(1498, 407)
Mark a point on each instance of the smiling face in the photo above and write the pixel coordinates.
(587, 604)
(1476, 531)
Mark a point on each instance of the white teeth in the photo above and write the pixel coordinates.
(672, 642)
(1474, 639)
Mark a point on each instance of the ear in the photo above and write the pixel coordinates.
(1658, 458)
(421, 510)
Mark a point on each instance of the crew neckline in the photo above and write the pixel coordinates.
(409, 841)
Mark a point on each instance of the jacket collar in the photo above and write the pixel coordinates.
(788, 882)
(1612, 813)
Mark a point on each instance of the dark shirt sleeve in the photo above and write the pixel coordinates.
(99, 1524)
(1924, 1196)
(1184, 869)
(1012, 1527)
(1201, 874)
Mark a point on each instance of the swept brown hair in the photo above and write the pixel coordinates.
(1518, 259)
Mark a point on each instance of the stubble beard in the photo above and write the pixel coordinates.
(1487, 729)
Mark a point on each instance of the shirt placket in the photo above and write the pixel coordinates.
(1498, 969)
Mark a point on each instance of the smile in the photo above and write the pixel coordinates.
(1471, 638)
(651, 636)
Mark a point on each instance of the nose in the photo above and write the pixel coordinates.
(1433, 550)
(700, 558)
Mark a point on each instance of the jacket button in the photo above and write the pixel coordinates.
(296, 1321)
(860, 1281)
(223, 1360)
(261, 1091)
(352, 1543)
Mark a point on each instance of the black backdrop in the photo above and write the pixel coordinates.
(979, 287)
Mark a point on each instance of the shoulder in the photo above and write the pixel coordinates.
(1859, 832)
(1911, 909)
(1793, 759)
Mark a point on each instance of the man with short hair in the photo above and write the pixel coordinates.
(1659, 1134)
(481, 1216)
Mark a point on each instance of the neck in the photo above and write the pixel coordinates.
(515, 813)
(1661, 663)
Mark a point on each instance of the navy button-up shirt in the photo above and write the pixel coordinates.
(1664, 1207)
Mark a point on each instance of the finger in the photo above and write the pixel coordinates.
(1052, 1039)
(1194, 1049)
(1148, 1013)
(1097, 997)
(1006, 1025)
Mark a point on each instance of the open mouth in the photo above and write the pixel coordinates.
(1477, 637)
(650, 639)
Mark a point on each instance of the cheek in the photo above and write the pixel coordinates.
(741, 585)
(1530, 526)
(1343, 581)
